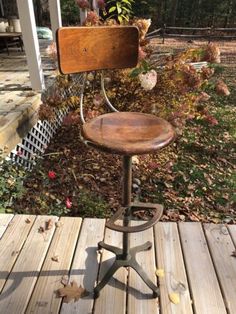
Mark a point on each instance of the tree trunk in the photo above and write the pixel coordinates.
(160, 12)
(38, 12)
(229, 12)
(173, 12)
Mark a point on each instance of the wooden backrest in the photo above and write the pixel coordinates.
(82, 49)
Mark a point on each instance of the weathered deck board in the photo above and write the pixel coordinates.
(4, 221)
(44, 298)
(137, 290)
(113, 296)
(18, 109)
(204, 285)
(11, 243)
(221, 247)
(232, 230)
(85, 264)
(26, 269)
(170, 259)
(196, 260)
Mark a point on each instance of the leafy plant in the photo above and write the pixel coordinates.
(120, 10)
(143, 67)
(11, 184)
(69, 12)
(91, 205)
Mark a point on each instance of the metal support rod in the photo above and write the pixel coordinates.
(126, 256)
(127, 181)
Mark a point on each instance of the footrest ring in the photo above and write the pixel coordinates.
(135, 207)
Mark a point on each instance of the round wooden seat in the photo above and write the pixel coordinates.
(128, 133)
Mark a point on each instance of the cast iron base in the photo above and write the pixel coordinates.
(128, 260)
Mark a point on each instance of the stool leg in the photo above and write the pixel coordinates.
(143, 247)
(126, 257)
(111, 248)
(106, 278)
(127, 182)
(139, 270)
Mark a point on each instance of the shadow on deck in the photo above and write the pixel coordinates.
(197, 262)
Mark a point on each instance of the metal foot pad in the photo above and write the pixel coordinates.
(126, 261)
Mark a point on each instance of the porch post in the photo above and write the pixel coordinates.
(31, 44)
(83, 15)
(55, 16)
(95, 6)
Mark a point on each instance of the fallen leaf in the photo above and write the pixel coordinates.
(174, 297)
(65, 280)
(41, 229)
(55, 258)
(71, 292)
(27, 220)
(160, 272)
(58, 224)
(48, 224)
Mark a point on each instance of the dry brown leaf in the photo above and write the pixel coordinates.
(27, 220)
(48, 224)
(65, 280)
(58, 224)
(55, 258)
(71, 292)
(233, 253)
(222, 88)
(41, 229)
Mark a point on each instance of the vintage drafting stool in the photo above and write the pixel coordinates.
(82, 49)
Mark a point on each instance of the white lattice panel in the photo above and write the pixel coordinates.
(36, 141)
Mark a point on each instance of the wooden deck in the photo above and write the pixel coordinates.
(18, 103)
(197, 261)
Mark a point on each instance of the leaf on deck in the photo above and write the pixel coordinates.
(160, 272)
(55, 258)
(233, 253)
(174, 298)
(48, 224)
(71, 292)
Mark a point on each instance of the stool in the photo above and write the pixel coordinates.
(122, 133)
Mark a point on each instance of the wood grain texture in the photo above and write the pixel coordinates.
(170, 259)
(140, 298)
(128, 133)
(82, 49)
(85, 264)
(27, 268)
(44, 298)
(232, 230)
(221, 247)
(4, 221)
(11, 244)
(206, 293)
(112, 297)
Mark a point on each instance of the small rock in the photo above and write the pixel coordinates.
(137, 181)
(102, 180)
(135, 186)
(227, 220)
(182, 217)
